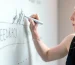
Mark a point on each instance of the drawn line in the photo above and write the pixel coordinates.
(10, 45)
(12, 23)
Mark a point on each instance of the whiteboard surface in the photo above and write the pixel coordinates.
(16, 45)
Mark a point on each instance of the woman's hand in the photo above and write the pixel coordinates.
(33, 25)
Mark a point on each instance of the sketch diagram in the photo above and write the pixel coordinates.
(14, 49)
(19, 19)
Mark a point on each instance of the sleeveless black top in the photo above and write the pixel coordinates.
(71, 54)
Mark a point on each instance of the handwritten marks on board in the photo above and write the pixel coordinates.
(13, 42)
(35, 1)
(18, 19)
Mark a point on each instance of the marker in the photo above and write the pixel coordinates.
(35, 20)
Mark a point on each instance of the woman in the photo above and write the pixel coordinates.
(59, 51)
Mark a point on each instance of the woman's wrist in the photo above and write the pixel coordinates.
(36, 39)
(35, 35)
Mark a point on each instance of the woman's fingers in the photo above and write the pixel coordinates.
(31, 21)
(33, 25)
(35, 16)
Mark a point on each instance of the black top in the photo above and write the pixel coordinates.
(71, 54)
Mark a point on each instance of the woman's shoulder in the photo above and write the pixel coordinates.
(69, 39)
(70, 36)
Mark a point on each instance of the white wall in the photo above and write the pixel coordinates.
(65, 26)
